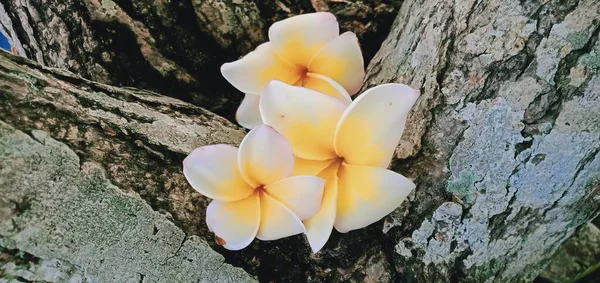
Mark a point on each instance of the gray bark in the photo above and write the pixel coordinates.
(74, 155)
(504, 142)
(503, 145)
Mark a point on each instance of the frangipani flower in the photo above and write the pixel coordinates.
(348, 145)
(304, 50)
(253, 195)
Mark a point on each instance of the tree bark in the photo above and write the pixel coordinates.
(74, 155)
(504, 142)
(576, 256)
(174, 47)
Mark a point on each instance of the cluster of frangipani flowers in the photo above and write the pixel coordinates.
(314, 159)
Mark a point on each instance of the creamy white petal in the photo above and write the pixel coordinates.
(301, 194)
(326, 85)
(276, 220)
(367, 194)
(251, 73)
(235, 223)
(341, 60)
(248, 114)
(309, 167)
(370, 129)
(298, 39)
(213, 171)
(306, 118)
(319, 227)
(265, 156)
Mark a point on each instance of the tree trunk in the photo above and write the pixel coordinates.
(503, 143)
(73, 155)
(175, 47)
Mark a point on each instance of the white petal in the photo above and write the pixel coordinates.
(236, 223)
(341, 60)
(276, 220)
(309, 167)
(301, 194)
(248, 114)
(372, 126)
(251, 73)
(212, 171)
(298, 39)
(367, 194)
(318, 227)
(327, 86)
(265, 156)
(306, 118)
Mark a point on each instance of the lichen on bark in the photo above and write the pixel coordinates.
(506, 129)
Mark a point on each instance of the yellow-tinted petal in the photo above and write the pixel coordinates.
(318, 227)
(367, 194)
(301, 194)
(305, 117)
(298, 39)
(251, 73)
(248, 114)
(212, 171)
(327, 86)
(372, 126)
(309, 167)
(236, 223)
(265, 156)
(341, 60)
(276, 220)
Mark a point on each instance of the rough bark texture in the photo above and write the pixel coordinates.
(80, 227)
(576, 255)
(504, 142)
(58, 181)
(175, 47)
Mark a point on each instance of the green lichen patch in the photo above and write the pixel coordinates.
(463, 188)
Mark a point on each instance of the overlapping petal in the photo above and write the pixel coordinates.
(327, 86)
(248, 114)
(306, 118)
(309, 167)
(251, 73)
(265, 156)
(301, 194)
(213, 171)
(318, 227)
(277, 221)
(235, 223)
(372, 126)
(367, 194)
(298, 39)
(342, 61)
